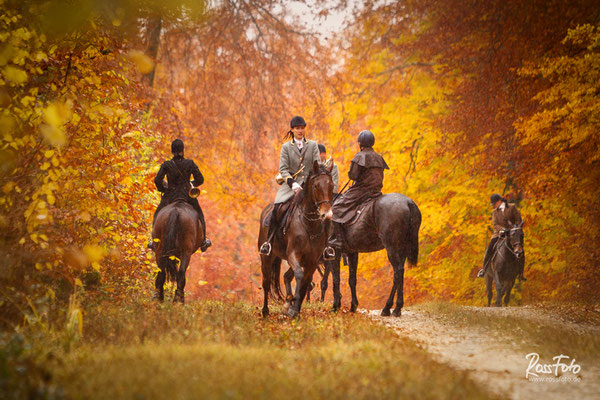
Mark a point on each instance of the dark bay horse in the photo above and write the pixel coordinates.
(392, 223)
(304, 239)
(179, 235)
(505, 264)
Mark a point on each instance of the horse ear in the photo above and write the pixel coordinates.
(316, 167)
(329, 164)
(522, 223)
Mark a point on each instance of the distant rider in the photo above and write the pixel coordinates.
(504, 212)
(178, 172)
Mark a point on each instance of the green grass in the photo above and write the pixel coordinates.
(545, 337)
(142, 350)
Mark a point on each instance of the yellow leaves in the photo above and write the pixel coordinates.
(58, 113)
(143, 63)
(14, 75)
(202, 283)
(94, 253)
(8, 187)
(55, 115)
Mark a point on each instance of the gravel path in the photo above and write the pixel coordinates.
(494, 363)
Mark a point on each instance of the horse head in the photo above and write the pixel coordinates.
(515, 238)
(320, 186)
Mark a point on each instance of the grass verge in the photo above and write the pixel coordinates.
(142, 350)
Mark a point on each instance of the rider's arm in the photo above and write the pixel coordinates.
(355, 171)
(198, 177)
(517, 216)
(284, 163)
(160, 176)
(496, 224)
(335, 175)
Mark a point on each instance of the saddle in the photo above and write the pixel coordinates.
(363, 209)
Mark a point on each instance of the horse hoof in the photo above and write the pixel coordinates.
(292, 313)
(158, 296)
(397, 312)
(385, 312)
(334, 309)
(353, 308)
(178, 298)
(265, 312)
(286, 306)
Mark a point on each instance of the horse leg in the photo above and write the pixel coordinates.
(335, 277)
(507, 290)
(179, 293)
(352, 267)
(287, 280)
(159, 284)
(399, 283)
(300, 291)
(488, 285)
(397, 262)
(327, 265)
(499, 291)
(266, 268)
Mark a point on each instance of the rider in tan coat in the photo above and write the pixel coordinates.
(294, 153)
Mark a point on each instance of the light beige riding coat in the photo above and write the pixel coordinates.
(289, 163)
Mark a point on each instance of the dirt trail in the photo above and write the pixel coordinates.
(494, 363)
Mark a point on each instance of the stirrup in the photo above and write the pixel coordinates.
(205, 245)
(481, 273)
(328, 253)
(265, 249)
(151, 244)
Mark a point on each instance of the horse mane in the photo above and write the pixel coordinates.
(299, 198)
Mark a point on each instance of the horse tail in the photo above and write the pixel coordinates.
(413, 233)
(169, 246)
(275, 281)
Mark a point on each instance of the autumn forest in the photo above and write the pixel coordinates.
(465, 98)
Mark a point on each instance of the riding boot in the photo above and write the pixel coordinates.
(486, 258)
(265, 248)
(336, 241)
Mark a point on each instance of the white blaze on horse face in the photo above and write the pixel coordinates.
(329, 215)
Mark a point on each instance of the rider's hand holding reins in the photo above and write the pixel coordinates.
(296, 187)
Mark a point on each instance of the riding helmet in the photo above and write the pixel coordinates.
(322, 148)
(177, 146)
(297, 121)
(366, 139)
(495, 197)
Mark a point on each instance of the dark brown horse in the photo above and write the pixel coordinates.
(505, 264)
(392, 223)
(304, 239)
(179, 235)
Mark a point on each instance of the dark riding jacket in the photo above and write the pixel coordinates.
(366, 170)
(178, 172)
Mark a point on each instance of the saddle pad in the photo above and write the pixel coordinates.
(363, 209)
(281, 214)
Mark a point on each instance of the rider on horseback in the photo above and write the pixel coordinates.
(335, 173)
(294, 153)
(503, 213)
(178, 171)
(366, 170)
